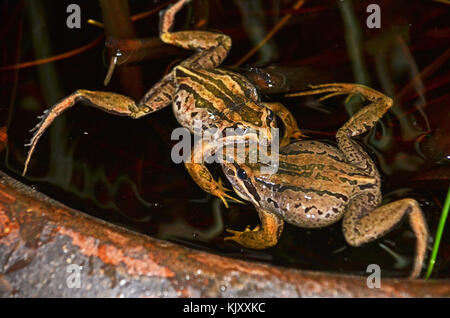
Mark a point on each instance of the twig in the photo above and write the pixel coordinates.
(53, 58)
(271, 33)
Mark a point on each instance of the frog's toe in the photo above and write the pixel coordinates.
(224, 201)
(353, 94)
(234, 199)
(254, 239)
(237, 236)
(234, 237)
(220, 190)
(223, 196)
(248, 228)
(235, 233)
(333, 89)
(298, 135)
(340, 89)
(328, 96)
(222, 187)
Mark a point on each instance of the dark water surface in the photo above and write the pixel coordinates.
(120, 169)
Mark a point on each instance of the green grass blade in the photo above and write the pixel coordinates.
(439, 232)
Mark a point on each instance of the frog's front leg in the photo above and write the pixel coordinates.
(203, 178)
(200, 173)
(110, 102)
(360, 225)
(260, 237)
(291, 130)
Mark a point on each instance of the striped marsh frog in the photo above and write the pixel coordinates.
(317, 184)
(198, 91)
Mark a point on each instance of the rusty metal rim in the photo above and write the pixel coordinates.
(40, 239)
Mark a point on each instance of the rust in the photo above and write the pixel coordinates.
(3, 138)
(5, 197)
(9, 230)
(114, 254)
(40, 238)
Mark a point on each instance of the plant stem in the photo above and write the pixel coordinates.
(439, 232)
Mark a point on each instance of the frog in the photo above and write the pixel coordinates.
(317, 184)
(199, 91)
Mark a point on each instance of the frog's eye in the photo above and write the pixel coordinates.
(269, 115)
(241, 174)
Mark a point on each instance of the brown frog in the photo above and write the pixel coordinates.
(317, 184)
(199, 92)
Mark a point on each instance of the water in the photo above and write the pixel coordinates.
(120, 169)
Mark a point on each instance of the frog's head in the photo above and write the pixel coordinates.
(241, 178)
(256, 125)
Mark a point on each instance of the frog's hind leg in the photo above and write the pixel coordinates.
(110, 102)
(361, 122)
(260, 237)
(214, 49)
(291, 130)
(214, 46)
(362, 225)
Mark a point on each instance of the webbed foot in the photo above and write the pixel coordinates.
(256, 238)
(262, 236)
(220, 192)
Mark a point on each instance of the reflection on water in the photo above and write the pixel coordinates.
(120, 169)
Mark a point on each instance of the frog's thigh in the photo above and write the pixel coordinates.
(158, 97)
(360, 226)
(291, 128)
(263, 236)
